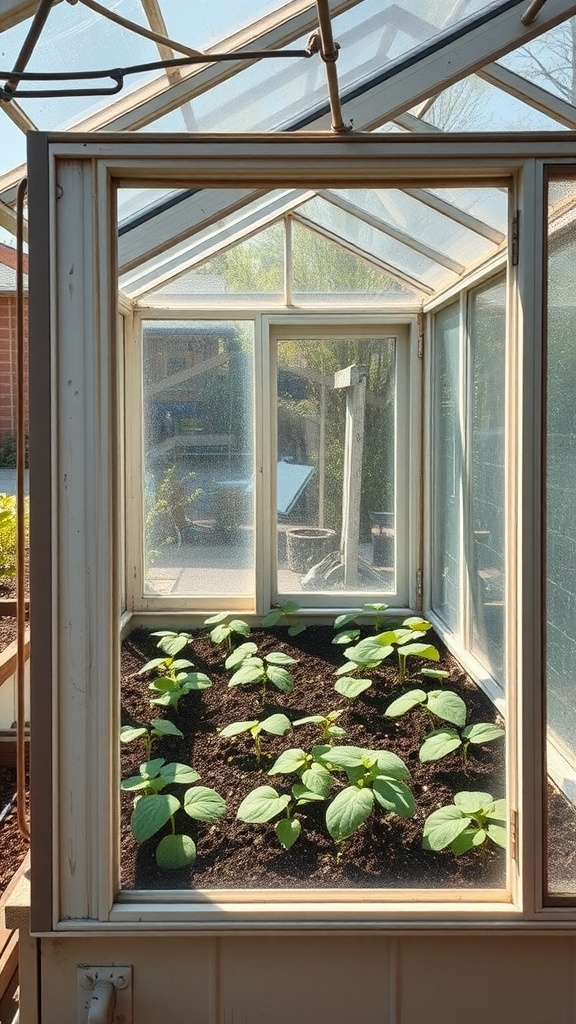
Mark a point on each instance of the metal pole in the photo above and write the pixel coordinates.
(329, 53)
(531, 12)
(29, 43)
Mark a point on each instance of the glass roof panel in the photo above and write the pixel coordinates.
(367, 238)
(487, 204)
(476, 106)
(133, 202)
(250, 272)
(325, 272)
(549, 60)
(13, 148)
(410, 215)
(200, 25)
(78, 39)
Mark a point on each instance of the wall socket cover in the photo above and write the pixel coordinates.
(121, 977)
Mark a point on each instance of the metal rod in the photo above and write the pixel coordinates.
(329, 54)
(531, 12)
(32, 38)
(20, 523)
(141, 30)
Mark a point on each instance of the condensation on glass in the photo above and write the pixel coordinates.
(333, 537)
(198, 444)
(560, 535)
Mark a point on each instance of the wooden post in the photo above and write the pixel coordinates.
(353, 378)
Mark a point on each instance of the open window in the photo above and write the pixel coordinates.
(335, 401)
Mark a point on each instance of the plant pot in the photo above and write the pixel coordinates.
(307, 546)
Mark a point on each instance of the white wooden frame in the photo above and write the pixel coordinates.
(75, 176)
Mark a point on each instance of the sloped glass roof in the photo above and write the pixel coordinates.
(509, 76)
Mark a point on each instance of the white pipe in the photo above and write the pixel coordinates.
(102, 1003)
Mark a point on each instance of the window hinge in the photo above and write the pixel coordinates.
(515, 237)
(419, 583)
(420, 335)
(514, 835)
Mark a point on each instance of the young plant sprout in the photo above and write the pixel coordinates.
(347, 635)
(327, 723)
(444, 704)
(441, 742)
(174, 681)
(469, 823)
(170, 642)
(286, 610)
(376, 778)
(157, 728)
(263, 670)
(224, 631)
(265, 803)
(314, 776)
(276, 725)
(155, 808)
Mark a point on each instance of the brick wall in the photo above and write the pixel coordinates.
(8, 383)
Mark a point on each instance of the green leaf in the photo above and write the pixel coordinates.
(289, 607)
(498, 811)
(438, 744)
(343, 620)
(276, 725)
(272, 617)
(133, 783)
(175, 852)
(240, 654)
(239, 626)
(150, 769)
(336, 731)
(182, 774)
(421, 651)
(236, 728)
(447, 705)
(219, 617)
(390, 764)
(371, 650)
(473, 802)
(180, 663)
(374, 607)
(303, 795)
(289, 761)
(279, 658)
(195, 681)
(497, 834)
(280, 678)
(405, 703)
(155, 663)
(164, 727)
(351, 688)
(482, 732)
(163, 684)
(251, 671)
(435, 673)
(151, 813)
(347, 667)
(347, 636)
(314, 719)
(204, 804)
(317, 779)
(466, 841)
(443, 826)
(287, 831)
(172, 642)
(416, 622)
(348, 811)
(296, 628)
(128, 733)
(394, 796)
(344, 757)
(219, 634)
(262, 804)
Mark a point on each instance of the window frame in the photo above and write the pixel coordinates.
(72, 181)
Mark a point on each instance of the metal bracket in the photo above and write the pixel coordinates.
(88, 976)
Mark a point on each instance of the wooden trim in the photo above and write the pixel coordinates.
(9, 656)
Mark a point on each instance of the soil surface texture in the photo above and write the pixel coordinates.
(12, 844)
(386, 852)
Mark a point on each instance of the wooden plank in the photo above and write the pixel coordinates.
(9, 656)
(349, 377)
(8, 962)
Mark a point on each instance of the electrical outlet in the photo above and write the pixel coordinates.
(121, 977)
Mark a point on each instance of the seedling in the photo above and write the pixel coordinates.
(327, 723)
(444, 704)
(265, 803)
(346, 635)
(154, 810)
(174, 682)
(441, 742)
(155, 775)
(276, 725)
(263, 670)
(469, 823)
(286, 610)
(158, 727)
(314, 776)
(170, 642)
(376, 777)
(224, 631)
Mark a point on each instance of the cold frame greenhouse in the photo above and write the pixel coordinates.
(302, 320)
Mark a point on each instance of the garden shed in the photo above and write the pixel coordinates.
(302, 491)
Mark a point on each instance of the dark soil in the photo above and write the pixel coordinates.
(385, 853)
(14, 847)
(8, 630)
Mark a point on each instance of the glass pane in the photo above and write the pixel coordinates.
(251, 272)
(447, 469)
(336, 465)
(325, 272)
(548, 61)
(473, 105)
(198, 458)
(561, 540)
(486, 520)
